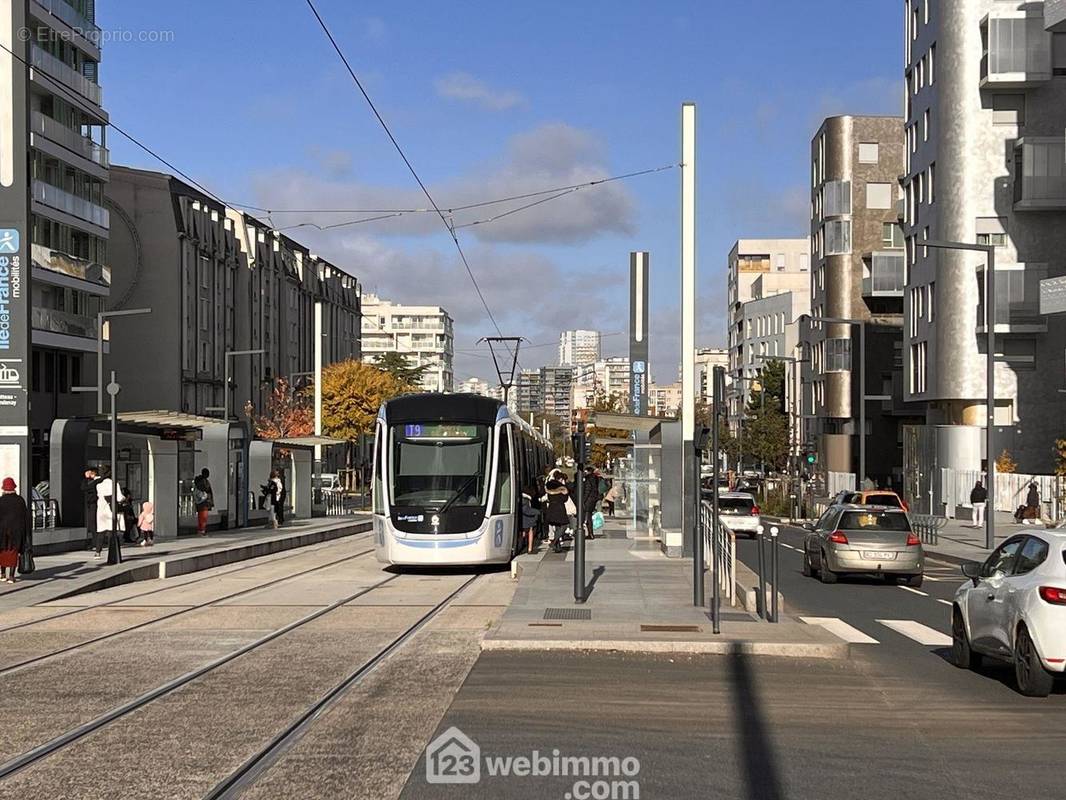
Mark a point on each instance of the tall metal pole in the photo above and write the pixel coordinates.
(114, 546)
(688, 323)
(990, 429)
(579, 532)
(99, 365)
(319, 344)
(225, 386)
(718, 375)
(697, 551)
(862, 404)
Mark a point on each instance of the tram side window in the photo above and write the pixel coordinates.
(502, 504)
(379, 467)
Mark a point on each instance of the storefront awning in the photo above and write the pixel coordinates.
(306, 441)
(165, 419)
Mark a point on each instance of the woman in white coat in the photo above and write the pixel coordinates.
(104, 522)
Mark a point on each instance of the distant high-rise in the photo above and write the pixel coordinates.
(578, 347)
(422, 333)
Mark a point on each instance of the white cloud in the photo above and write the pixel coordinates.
(465, 87)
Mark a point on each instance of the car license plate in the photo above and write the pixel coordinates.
(878, 555)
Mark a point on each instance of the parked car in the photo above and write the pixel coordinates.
(872, 497)
(1013, 607)
(863, 540)
(739, 512)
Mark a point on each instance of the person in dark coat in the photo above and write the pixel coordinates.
(88, 489)
(14, 529)
(204, 498)
(978, 498)
(530, 516)
(556, 495)
(590, 496)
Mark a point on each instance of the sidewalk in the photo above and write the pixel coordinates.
(70, 573)
(639, 601)
(958, 542)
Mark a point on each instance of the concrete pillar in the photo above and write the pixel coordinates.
(163, 486)
(302, 460)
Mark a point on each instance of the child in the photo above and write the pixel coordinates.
(530, 516)
(146, 524)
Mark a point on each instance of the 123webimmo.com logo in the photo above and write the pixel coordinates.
(455, 758)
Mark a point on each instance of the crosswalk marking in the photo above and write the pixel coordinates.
(841, 629)
(922, 634)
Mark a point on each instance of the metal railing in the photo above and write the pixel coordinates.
(54, 321)
(340, 504)
(69, 138)
(65, 74)
(45, 513)
(928, 527)
(79, 207)
(725, 542)
(74, 18)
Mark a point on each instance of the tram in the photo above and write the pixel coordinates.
(449, 470)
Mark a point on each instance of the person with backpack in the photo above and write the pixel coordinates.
(277, 499)
(204, 499)
(556, 497)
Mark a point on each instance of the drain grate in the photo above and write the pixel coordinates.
(670, 628)
(567, 613)
(545, 624)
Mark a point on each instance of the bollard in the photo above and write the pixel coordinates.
(773, 570)
(760, 602)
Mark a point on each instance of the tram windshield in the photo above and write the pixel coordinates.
(440, 464)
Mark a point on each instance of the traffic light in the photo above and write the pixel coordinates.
(812, 458)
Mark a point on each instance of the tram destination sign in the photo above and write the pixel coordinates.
(421, 430)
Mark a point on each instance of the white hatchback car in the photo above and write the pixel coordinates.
(739, 512)
(1014, 608)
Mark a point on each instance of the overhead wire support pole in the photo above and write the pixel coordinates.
(506, 385)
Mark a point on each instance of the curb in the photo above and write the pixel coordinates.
(196, 562)
(827, 650)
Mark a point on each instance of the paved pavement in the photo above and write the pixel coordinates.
(638, 601)
(67, 573)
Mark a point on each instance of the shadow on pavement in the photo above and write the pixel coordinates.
(756, 749)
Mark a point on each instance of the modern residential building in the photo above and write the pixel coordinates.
(526, 396)
(760, 269)
(555, 386)
(985, 164)
(422, 333)
(608, 377)
(217, 281)
(475, 386)
(578, 347)
(707, 358)
(857, 273)
(58, 119)
(665, 401)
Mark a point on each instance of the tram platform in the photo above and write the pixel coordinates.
(76, 572)
(640, 601)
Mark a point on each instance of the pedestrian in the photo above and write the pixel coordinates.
(611, 498)
(556, 515)
(530, 516)
(106, 524)
(1032, 503)
(590, 496)
(277, 499)
(978, 499)
(146, 523)
(14, 529)
(88, 490)
(204, 498)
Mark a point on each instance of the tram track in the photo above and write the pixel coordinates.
(248, 774)
(253, 564)
(173, 614)
(78, 733)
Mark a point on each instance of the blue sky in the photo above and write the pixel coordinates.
(490, 99)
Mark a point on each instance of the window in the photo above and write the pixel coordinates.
(779, 262)
(1032, 555)
(1008, 109)
(925, 125)
(918, 367)
(1002, 560)
(925, 238)
(502, 503)
(925, 14)
(837, 237)
(878, 195)
(838, 355)
(932, 300)
(1058, 54)
(837, 198)
(869, 152)
(891, 234)
(994, 239)
(929, 173)
(932, 61)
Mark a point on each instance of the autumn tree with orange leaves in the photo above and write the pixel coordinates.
(287, 414)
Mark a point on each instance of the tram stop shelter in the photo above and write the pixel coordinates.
(295, 457)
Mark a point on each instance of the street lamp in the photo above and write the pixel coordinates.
(990, 400)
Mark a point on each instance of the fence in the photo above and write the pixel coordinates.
(839, 482)
(928, 527)
(724, 541)
(340, 504)
(1010, 491)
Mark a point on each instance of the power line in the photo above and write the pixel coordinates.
(411, 169)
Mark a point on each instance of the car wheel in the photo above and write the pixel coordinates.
(1032, 679)
(824, 573)
(961, 654)
(808, 570)
(914, 580)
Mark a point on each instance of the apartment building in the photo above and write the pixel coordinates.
(758, 270)
(707, 358)
(578, 347)
(53, 170)
(422, 333)
(665, 400)
(217, 281)
(608, 377)
(555, 391)
(526, 395)
(985, 163)
(857, 274)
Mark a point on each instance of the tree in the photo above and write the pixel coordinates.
(766, 434)
(1006, 463)
(352, 393)
(608, 404)
(288, 413)
(399, 366)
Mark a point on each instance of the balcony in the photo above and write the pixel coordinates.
(1040, 174)
(886, 275)
(54, 197)
(63, 322)
(70, 139)
(72, 17)
(1055, 16)
(1017, 51)
(1017, 299)
(60, 263)
(66, 75)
